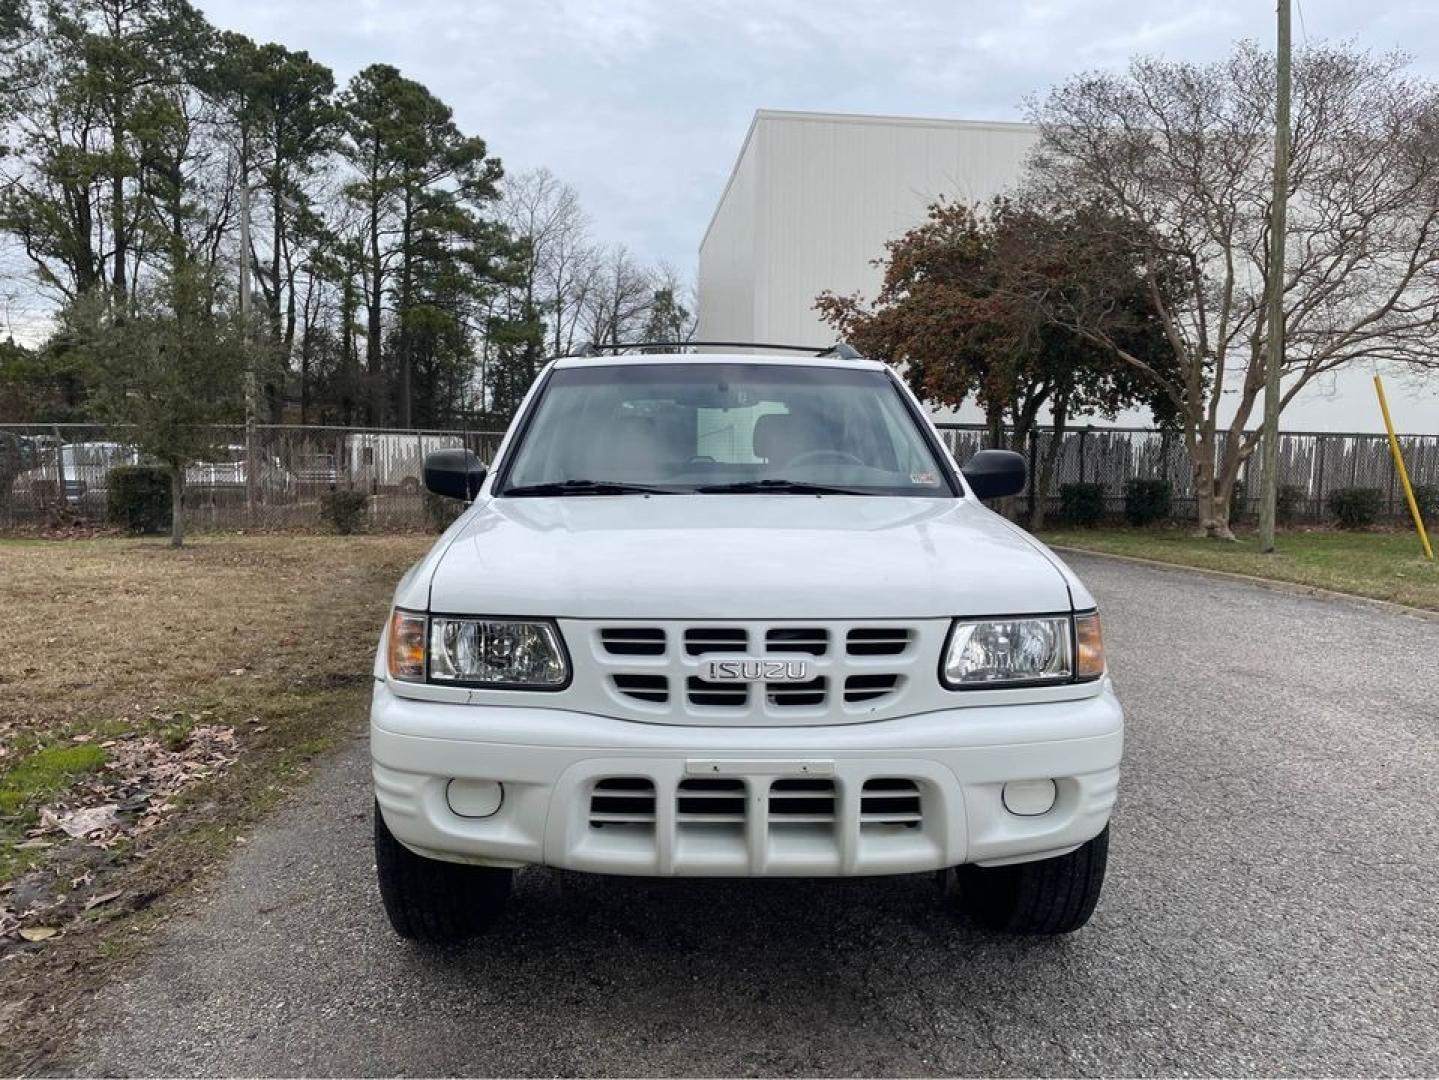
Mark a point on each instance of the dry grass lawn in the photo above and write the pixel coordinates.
(187, 687)
(100, 631)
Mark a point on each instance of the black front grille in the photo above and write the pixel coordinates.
(796, 695)
(878, 641)
(700, 640)
(653, 689)
(862, 688)
(716, 695)
(813, 640)
(633, 640)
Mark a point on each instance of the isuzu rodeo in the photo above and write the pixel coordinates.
(738, 615)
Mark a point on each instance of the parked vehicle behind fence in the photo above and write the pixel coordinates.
(392, 461)
(228, 472)
(80, 468)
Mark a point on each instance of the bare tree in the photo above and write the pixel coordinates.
(560, 269)
(618, 303)
(1178, 157)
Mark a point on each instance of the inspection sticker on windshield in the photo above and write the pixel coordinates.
(924, 479)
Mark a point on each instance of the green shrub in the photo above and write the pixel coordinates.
(1147, 501)
(1356, 507)
(344, 510)
(1081, 504)
(440, 512)
(1287, 501)
(137, 498)
(1427, 497)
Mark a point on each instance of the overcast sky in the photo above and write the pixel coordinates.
(642, 104)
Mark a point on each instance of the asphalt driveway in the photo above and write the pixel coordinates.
(1272, 907)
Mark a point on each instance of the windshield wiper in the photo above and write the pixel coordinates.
(776, 487)
(585, 487)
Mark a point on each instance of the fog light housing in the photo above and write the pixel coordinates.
(1029, 798)
(474, 798)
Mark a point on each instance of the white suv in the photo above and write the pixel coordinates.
(736, 616)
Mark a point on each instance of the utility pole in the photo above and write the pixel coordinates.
(1274, 352)
(252, 479)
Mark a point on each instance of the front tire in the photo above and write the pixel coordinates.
(434, 901)
(1048, 896)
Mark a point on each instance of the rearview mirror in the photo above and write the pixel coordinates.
(455, 474)
(993, 474)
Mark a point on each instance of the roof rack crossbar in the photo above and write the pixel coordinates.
(841, 349)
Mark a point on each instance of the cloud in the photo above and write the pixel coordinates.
(642, 104)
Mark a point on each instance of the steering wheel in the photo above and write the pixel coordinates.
(812, 457)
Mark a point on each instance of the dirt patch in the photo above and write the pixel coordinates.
(156, 703)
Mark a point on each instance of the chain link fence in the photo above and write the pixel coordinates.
(1314, 463)
(57, 472)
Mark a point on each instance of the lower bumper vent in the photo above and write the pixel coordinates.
(890, 802)
(623, 800)
(710, 801)
(802, 801)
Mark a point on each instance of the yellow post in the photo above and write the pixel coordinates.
(1403, 472)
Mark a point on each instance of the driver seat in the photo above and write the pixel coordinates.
(779, 438)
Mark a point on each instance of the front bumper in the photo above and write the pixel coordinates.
(550, 761)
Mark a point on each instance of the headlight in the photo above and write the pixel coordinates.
(507, 653)
(988, 653)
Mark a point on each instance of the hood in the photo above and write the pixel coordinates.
(742, 556)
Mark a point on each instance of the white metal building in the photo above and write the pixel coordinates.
(813, 197)
(812, 200)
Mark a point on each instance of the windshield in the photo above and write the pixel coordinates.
(723, 427)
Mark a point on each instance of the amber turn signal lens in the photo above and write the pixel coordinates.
(407, 646)
(1089, 663)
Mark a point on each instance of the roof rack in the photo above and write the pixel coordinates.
(841, 349)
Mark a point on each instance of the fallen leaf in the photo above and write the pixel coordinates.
(38, 933)
(103, 898)
(92, 819)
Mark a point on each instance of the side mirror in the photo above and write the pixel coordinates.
(993, 474)
(455, 474)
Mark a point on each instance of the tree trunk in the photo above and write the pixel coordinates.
(119, 233)
(374, 399)
(277, 212)
(349, 357)
(305, 377)
(177, 510)
(994, 421)
(1047, 462)
(1211, 495)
